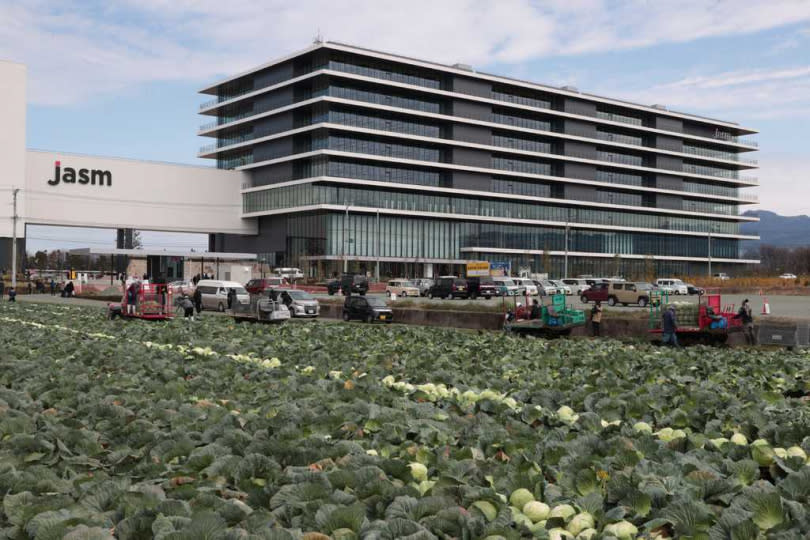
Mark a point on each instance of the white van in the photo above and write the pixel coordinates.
(577, 285)
(289, 274)
(673, 285)
(215, 293)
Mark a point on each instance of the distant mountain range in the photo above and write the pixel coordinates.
(776, 230)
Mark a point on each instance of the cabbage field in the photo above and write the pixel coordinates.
(216, 430)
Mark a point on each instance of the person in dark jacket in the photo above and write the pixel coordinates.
(53, 287)
(596, 319)
(197, 299)
(188, 307)
(69, 289)
(535, 311)
(746, 316)
(132, 299)
(669, 328)
(12, 295)
(231, 297)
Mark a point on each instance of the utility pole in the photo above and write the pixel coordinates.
(14, 218)
(378, 245)
(710, 251)
(345, 253)
(565, 271)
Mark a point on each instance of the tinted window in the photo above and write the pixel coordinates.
(617, 286)
(460, 282)
(375, 302)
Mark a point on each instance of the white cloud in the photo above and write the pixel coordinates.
(753, 94)
(76, 52)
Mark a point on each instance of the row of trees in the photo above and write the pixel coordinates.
(779, 260)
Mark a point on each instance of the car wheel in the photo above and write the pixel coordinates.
(362, 293)
(473, 296)
(487, 297)
(369, 318)
(677, 292)
(346, 316)
(450, 296)
(612, 301)
(292, 312)
(430, 295)
(404, 294)
(642, 302)
(331, 292)
(584, 299)
(388, 294)
(221, 307)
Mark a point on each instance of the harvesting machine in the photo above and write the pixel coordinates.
(556, 319)
(153, 302)
(708, 322)
(265, 306)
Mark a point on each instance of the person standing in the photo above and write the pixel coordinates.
(746, 316)
(197, 298)
(231, 297)
(30, 288)
(535, 311)
(132, 299)
(12, 295)
(188, 307)
(53, 287)
(669, 328)
(596, 319)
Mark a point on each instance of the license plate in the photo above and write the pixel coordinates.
(382, 317)
(461, 288)
(310, 311)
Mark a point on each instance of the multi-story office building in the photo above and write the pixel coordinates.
(365, 160)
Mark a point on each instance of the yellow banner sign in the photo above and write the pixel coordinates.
(478, 269)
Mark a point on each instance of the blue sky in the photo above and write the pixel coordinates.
(120, 78)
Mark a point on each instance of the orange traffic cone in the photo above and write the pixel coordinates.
(766, 308)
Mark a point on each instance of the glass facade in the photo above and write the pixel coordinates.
(313, 194)
(519, 143)
(521, 165)
(359, 235)
(616, 157)
(383, 123)
(521, 121)
(363, 145)
(389, 73)
(382, 97)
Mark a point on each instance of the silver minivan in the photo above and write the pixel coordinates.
(214, 293)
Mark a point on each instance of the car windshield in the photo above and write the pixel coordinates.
(300, 295)
(240, 290)
(508, 282)
(373, 301)
(548, 284)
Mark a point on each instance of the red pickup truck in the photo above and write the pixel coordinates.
(598, 291)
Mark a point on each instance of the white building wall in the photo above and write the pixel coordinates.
(142, 195)
(12, 141)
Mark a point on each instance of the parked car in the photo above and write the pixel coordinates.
(333, 286)
(722, 276)
(182, 286)
(289, 274)
(256, 286)
(354, 283)
(506, 287)
(547, 288)
(366, 308)
(692, 289)
(300, 303)
(787, 276)
(401, 287)
(597, 291)
(449, 287)
(423, 284)
(214, 293)
(527, 286)
(672, 285)
(577, 285)
(562, 288)
(619, 292)
(481, 286)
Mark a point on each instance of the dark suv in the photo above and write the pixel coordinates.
(481, 286)
(367, 308)
(354, 284)
(449, 287)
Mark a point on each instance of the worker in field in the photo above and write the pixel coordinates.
(197, 299)
(132, 299)
(596, 319)
(669, 334)
(746, 316)
(188, 307)
(53, 287)
(231, 297)
(535, 311)
(12, 295)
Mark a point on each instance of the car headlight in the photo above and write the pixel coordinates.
(299, 308)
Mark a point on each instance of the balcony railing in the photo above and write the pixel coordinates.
(618, 118)
(226, 142)
(615, 137)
